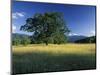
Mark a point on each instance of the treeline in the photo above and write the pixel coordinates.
(21, 39)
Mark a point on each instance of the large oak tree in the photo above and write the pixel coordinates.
(47, 27)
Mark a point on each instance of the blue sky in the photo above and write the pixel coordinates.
(79, 19)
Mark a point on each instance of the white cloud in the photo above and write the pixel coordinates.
(17, 15)
(93, 32)
(71, 34)
(13, 28)
(20, 14)
(14, 16)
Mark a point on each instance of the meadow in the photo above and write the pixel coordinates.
(38, 58)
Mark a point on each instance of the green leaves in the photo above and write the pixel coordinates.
(19, 39)
(47, 25)
(26, 41)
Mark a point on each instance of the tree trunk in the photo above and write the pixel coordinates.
(46, 42)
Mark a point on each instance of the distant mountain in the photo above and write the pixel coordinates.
(75, 38)
(91, 39)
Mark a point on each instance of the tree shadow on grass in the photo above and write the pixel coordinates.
(45, 62)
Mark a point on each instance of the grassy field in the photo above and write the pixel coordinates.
(39, 58)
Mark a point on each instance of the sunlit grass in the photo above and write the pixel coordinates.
(51, 48)
(38, 58)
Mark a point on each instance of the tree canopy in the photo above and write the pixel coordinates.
(47, 28)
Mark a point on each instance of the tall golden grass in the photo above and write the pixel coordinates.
(56, 49)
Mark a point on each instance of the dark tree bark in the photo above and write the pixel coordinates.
(46, 42)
